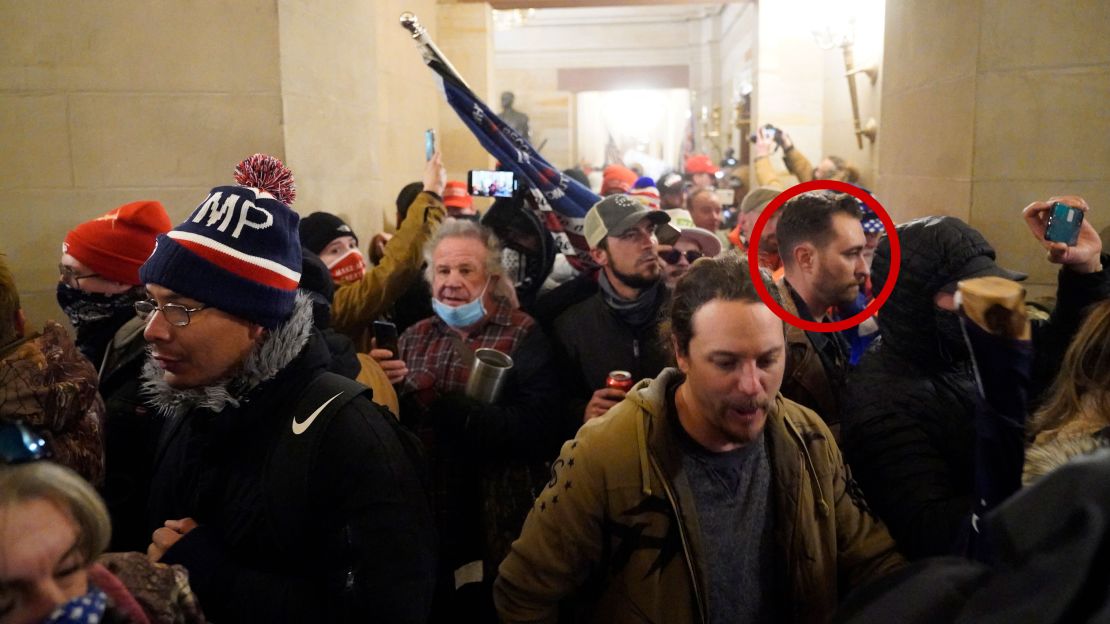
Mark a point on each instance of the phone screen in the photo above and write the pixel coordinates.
(429, 143)
(491, 183)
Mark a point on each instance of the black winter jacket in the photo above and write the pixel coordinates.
(369, 549)
(908, 428)
(593, 341)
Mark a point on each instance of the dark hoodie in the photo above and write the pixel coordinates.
(908, 428)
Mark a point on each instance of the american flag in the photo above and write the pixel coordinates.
(563, 202)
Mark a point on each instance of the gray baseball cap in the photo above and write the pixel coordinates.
(615, 215)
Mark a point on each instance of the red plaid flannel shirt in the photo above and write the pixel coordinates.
(435, 367)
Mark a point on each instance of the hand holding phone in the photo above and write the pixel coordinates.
(385, 337)
(1079, 250)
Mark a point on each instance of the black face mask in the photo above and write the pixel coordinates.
(96, 317)
(950, 336)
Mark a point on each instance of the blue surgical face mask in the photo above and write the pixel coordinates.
(464, 315)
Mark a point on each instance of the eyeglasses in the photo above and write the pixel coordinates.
(19, 445)
(70, 277)
(672, 256)
(175, 313)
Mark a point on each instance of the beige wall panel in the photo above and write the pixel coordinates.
(996, 211)
(928, 42)
(1043, 124)
(115, 45)
(155, 140)
(1035, 33)
(327, 55)
(330, 150)
(465, 35)
(929, 131)
(908, 197)
(35, 133)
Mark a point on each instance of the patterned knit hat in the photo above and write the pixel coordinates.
(645, 192)
(117, 243)
(239, 250)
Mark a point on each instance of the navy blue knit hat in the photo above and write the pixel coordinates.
(239, 250)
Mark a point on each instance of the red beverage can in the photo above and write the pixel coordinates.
(621, 380)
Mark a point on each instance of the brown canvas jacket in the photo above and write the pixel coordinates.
(806, 381)
(615, 530)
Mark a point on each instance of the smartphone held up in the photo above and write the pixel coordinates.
(429, 143)
(491, 183)
(1063, 224)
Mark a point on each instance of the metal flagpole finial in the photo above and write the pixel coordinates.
(411, 24)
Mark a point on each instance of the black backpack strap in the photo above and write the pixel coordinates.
(286, 480)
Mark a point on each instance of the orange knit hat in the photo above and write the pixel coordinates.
(116, 244)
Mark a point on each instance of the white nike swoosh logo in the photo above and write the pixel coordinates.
(299, 428)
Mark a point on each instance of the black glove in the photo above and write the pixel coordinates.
(454, 413)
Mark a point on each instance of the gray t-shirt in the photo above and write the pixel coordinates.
(732, 497)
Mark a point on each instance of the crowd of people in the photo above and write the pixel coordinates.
(254, 420)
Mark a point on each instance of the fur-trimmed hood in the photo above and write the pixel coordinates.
(269, 357)
(1043, 458)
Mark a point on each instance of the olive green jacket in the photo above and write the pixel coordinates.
(358, 304)
(616, 531)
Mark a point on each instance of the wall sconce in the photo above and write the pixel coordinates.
(841, 34)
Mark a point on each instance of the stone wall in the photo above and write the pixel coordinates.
(990, 105)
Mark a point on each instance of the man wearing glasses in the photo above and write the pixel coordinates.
(693, 243)
(616, 329)
(286, 493)
(98, 286)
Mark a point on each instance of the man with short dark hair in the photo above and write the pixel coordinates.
(616, 328)
(280, 512)
(821, 242)
(705, 496)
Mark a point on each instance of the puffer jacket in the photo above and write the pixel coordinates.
(907, 423)
(621, 476)
(47, 384)
(356, 305)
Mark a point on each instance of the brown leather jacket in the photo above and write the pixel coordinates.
(618, 489)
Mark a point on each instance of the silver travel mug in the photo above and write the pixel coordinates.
(487, 375)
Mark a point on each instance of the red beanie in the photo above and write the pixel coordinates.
(116, 244)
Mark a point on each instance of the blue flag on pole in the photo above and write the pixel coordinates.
(563, 201)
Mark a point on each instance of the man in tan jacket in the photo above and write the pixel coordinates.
(705, 495)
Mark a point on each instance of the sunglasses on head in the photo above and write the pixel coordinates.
(672, 256)
(19, 445)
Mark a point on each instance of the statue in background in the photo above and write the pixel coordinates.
(517, 120)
